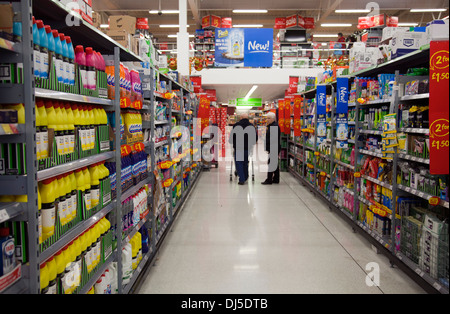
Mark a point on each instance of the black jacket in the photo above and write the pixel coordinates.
(273, 136)
(247, 143)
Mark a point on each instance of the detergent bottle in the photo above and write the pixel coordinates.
(65, 127)
(59, 65)
(7, 252)
(39, 216)
(65, 55)
(110, 80)
(60, 270)
(73, 194)
(92, 128)
(59, 134)
(87, 186)
(70, 128)
(81, 188)
(62, 205)
(69, 200)
(43, 278)
(43, 129)
(43, 43)
(36, 51)
(82, 128)
(38, 132)
(52, 274)
(95, 185)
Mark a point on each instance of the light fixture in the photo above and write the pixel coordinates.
(250, 92)
(353, 11)
(408, 24)
(247, 25)
(324, 35)
(426, 10)
(249, 11)
(164, 11)
(335, 25)
(175, 36)
(104, 25)
(170, 26)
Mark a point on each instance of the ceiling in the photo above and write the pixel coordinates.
(322, 10)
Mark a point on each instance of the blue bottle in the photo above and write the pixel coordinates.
(51, 47)
(43, 42)
(144, 236)
(59, 57)
(65, 55)
(36, 51)
(71, 56)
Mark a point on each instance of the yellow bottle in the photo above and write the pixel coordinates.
(21, 198)
(71, 128)
(39, 215)
(44, 129)
(62, 205)
(83, 128)
(67, 271)
(20, 112)
(139, 246)
(65, 127)
(38, 133)
(87, 187)
(44, 278)
(77, 125)
(48, 210)
(68, 192)
(74, 194)
(60, 268)
(92, 128)
(52, 272)
(60, 139)
(95, 185)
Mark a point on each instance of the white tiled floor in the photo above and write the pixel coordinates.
(275, 239)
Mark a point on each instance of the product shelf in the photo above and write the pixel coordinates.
(383, 184)
(101, 269)
(50, 94)
(423, 195)
(413, 158)
(415, 97)
(13, 210)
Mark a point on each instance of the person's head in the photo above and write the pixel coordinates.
(271, 117)
(244, 115)
(340, 35)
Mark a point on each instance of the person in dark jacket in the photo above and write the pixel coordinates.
(273, 147)
(243, 137)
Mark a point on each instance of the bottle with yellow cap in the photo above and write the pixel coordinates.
(38, 133)
(43, 129)
(43, 278)
(95, 185)
(48, 210)
(71, 127)
(65, 127)
(73, 194)
(80, 189)
(62, 205)
(87, 189)
(67, 186)
(52, 274)
(60, 260)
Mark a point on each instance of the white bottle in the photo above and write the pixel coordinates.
(108, 280)
(114, 285)
(100, 286)
(126, 264)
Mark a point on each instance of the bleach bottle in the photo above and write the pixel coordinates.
(59, 57)
(51, 47)
(43, 42)
(7, 258)
(36, 51)
(71, 57)
(65, 54)
(80, 59)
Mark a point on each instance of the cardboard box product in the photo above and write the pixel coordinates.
(6, 18)
(96, 19)
(122, 22)
(404, 43)
(121, 36)
(438, 29)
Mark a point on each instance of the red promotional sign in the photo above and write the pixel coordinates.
(216, 21)
(291, 21)
(293, 84)
(301, 21)
(197, 82)
(297, 115)
(309, 23)
(280, 23)
(439, 107)
(227, 22)
(203, 111)
(372, 21)
(206, 21)
(142, 23)
(287, 114)
(281, 114)
(211, 94)
(392, 21)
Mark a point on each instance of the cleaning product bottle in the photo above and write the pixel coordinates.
(65, 57)
(7, 250)
(126, 264)
(60, 268)
(62, 204)
(87, 186)
(52, 275)
(92, 128)
(95, 185)
(80, 60)
(73, 194)
(59, 128)
(43, 278)
(38, 132)
(48, 208)
(39, 215)
(51, 48)
(70, 128)
(77, 126)
(59, 65)
(36, 51)
(71, 58)
(82, 128)
(43, 43)
(65, 127)
(43, 129)
(68, 191)
(91, 65)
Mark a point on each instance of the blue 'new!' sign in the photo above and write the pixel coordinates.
(244, 47)
(258, 50)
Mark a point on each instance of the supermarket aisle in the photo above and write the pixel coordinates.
(275, 239)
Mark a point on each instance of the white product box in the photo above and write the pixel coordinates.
(404, 43)
(438, 29)
(389, 32)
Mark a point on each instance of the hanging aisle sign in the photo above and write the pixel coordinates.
(287, 114)
(439, 107)
(281, 114)
(342, 113)
(297, 115)
(321, 127)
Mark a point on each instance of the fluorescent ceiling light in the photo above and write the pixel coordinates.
(164, 11)
(427, 10)
(170, 26)
(335, 25)
(248, 25)
(104, 25)
(250, 92)
(249, 11)
(324, 35)
(353, 11)
(408, 24)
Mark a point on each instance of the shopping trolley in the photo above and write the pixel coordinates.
(250, 157)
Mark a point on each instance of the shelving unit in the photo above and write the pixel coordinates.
(28, 275)
(385, 237)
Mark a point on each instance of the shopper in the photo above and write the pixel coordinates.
(273, 147)
(340, 44)
(243, 137)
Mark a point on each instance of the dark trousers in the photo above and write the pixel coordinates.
(241, 162)
(275, 175)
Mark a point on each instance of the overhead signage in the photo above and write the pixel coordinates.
(255, 102)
